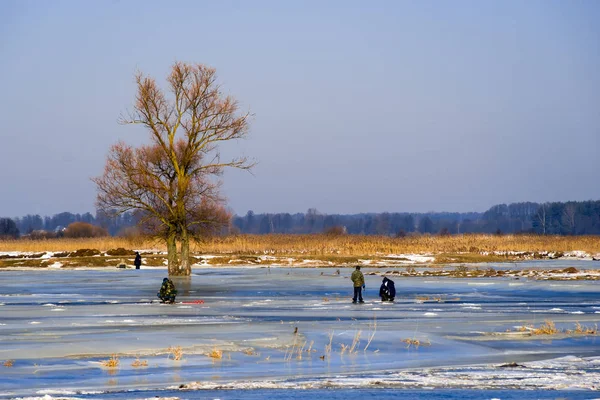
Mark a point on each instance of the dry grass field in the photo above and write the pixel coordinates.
(325, 245)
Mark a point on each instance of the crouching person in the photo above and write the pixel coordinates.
(387, 291)
(167, 292)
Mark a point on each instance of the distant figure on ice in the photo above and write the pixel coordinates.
(138, 260)
(359, 284)
(167, 292)
(387, 291)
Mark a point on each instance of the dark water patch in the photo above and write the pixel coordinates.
(348, 394)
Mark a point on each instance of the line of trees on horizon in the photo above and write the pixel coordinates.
(556, 218)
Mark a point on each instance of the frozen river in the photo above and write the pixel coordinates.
(272, 327)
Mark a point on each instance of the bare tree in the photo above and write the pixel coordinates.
(172, 181)
(568, 217)
(542, 217)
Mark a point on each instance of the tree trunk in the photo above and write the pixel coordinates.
(179, 260)
(173, 264)
(185, 268)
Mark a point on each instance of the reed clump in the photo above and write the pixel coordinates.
(549, 328)
(139, 363)
(250, 352)
(175, 352)
(584, 330)
(112, 362)
(416, 342)
(216, 354)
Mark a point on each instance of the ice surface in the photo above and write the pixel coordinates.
(59, 325)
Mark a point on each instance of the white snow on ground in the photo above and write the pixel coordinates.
(577, 254)
(48, 397)
(413, 258)
(510, 253)
(12, 253)
(55, 265)
(574, 275)
(561, 373)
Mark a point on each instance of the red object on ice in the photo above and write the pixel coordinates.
(193, 302)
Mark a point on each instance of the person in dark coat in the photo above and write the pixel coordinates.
(138, 260)
(387, 291)
(167, 292)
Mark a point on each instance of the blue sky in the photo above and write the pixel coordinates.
(358, 106)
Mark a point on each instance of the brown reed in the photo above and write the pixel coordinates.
(326, 245)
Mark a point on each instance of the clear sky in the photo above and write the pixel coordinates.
(360, 106)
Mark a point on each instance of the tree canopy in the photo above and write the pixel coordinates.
(172, 182)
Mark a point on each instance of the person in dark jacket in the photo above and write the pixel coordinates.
(167, 292)
(387, 291)
(358, 281)
(138, 260)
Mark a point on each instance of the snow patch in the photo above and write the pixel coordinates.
(412, 258)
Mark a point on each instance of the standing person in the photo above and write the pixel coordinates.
(358, 280)
(167, 291)
(138, 260)
(387, 291)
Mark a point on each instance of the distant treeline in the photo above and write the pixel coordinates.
(570, 218)
(38, 225)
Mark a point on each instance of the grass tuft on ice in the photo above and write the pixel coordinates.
(112, 362)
